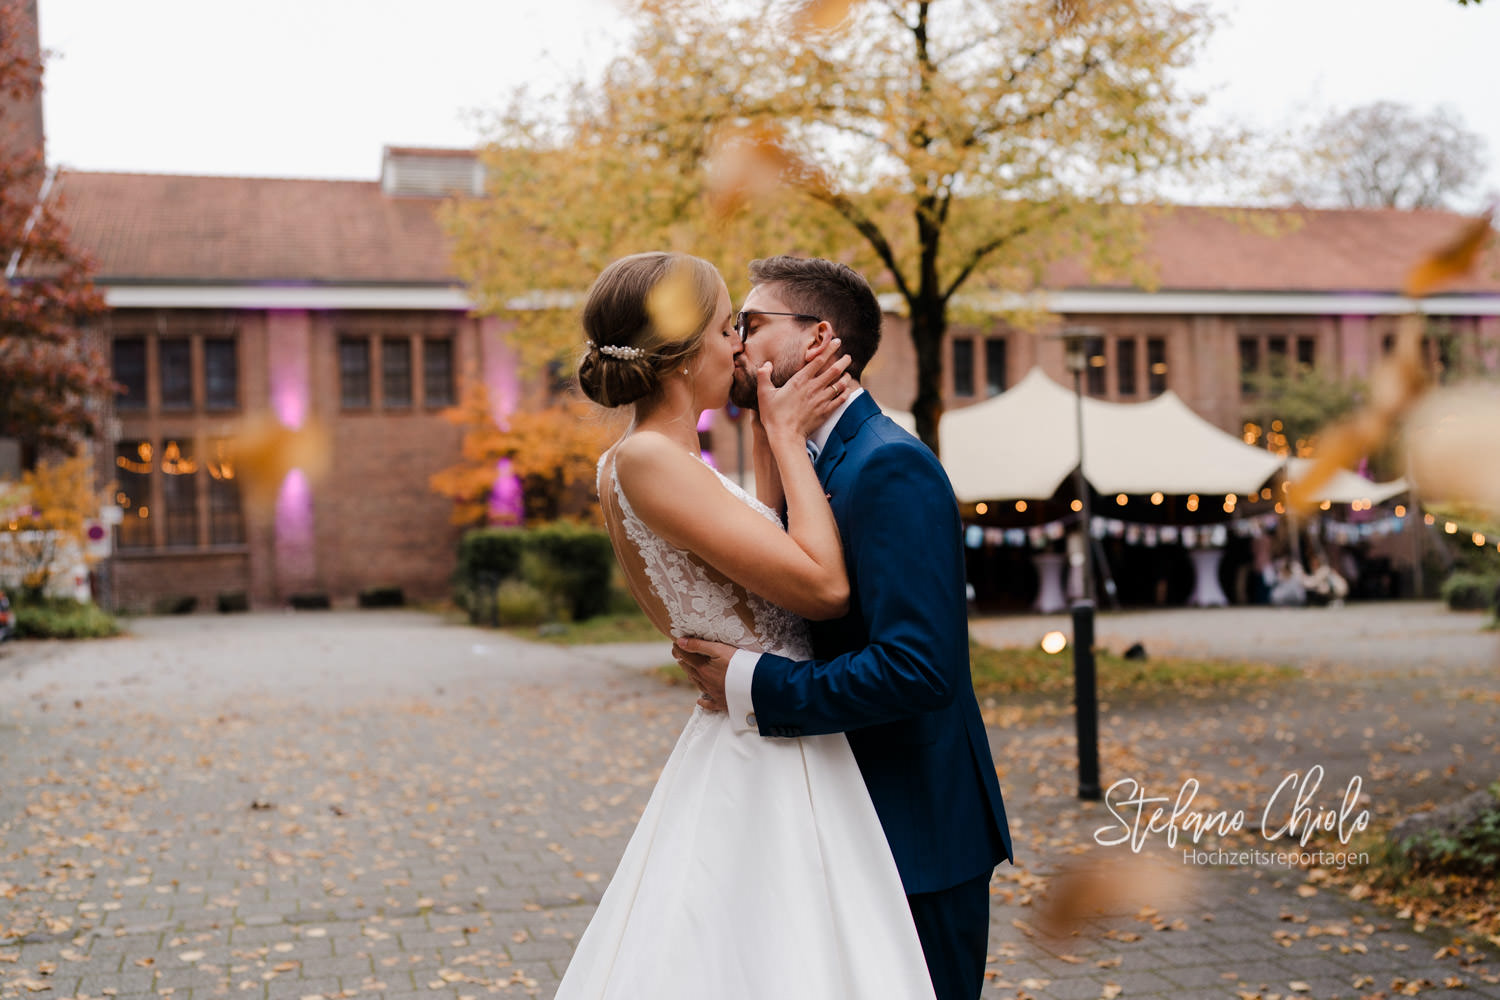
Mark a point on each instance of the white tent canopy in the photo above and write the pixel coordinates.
(1023, 443)
(1346, 486)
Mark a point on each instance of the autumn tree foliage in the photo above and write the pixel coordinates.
(53, 379)
(43, 521)
(551, 451)
(942, 148)
(1285, 405)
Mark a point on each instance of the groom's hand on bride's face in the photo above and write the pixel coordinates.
(706, 663)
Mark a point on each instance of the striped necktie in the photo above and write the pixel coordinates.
(812, 452)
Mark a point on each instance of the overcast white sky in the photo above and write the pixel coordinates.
(315, 88)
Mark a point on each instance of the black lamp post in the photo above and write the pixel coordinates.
(1085, 693)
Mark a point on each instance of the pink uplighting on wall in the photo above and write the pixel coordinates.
(501, 370)
(502, 380)
(295, 556)
(287, 334)
(507, 502)
(289, 349)
(706, 420)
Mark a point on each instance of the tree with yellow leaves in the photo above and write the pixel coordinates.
(941, 148)
(552, 452)
(43, 521)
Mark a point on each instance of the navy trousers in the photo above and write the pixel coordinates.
(954, 925)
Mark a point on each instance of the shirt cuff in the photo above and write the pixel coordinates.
(737, 682)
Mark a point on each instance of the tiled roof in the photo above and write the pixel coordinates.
(1291, 250)
(163, 227)
(169, 228)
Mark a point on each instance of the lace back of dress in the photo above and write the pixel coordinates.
(683, 594)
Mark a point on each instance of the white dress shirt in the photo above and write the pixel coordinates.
(741, 673)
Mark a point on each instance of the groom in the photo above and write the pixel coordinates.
(893, 673)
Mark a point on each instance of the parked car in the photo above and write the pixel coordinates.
(7, 617)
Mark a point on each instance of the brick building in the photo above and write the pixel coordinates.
(1232, 290)
(335, 300)
(310, 300)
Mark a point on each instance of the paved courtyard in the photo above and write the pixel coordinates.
(384, 804)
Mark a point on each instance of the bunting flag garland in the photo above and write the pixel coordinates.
(1342, 533)
(1206, 536)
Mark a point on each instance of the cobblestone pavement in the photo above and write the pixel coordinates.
(382, 804)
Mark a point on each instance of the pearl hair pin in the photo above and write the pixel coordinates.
(615, 351)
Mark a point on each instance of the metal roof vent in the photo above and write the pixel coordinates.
(431, 173)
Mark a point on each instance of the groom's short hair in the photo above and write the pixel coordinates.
(832, 292)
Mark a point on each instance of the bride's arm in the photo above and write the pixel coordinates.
(768, 489)
(682, 500)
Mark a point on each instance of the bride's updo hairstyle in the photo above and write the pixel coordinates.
(645, 316)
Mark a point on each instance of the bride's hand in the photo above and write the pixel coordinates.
(809, 397)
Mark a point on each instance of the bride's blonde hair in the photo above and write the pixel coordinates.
(645, 315)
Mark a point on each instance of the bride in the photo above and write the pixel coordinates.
(759, 868)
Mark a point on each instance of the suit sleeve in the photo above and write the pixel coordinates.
(904, 550)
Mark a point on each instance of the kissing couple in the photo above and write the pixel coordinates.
(827, 824)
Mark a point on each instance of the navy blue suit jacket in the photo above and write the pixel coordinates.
(893, 673)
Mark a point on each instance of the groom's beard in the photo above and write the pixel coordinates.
(744, 391)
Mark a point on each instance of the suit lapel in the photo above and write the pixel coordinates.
(855, 417)
(829, 458)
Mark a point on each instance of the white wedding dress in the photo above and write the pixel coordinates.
(759, 869)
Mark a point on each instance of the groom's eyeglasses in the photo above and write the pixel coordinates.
(742, 320)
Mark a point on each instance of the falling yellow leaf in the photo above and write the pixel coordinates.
(749, 162)
(264, 451)
(1450, 262)
(1398, 381)
(1081, 891)
(673, 305)
(822, 15)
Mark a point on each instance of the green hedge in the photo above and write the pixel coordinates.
(1472, 591)
(569, 565)
(495, 552)
(56, 618)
